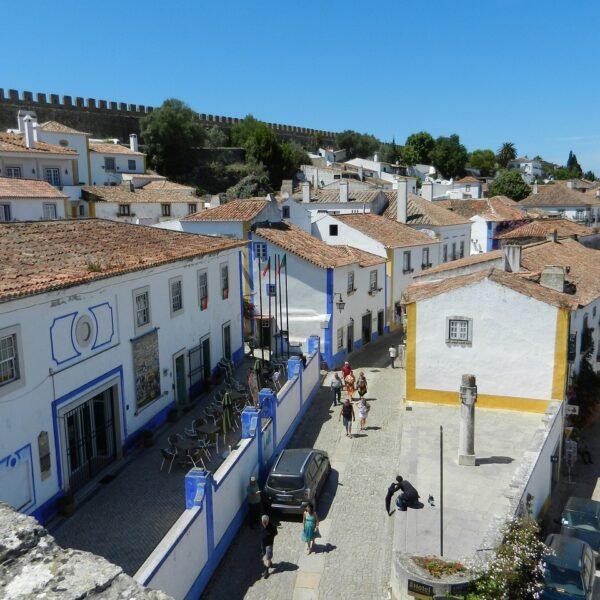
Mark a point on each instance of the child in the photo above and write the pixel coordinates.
(363, 412)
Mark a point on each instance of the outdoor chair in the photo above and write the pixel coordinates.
(191, 431)
(169, 455)
(174, 438)
(194, 458)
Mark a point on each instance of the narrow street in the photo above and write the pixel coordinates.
(352, 558)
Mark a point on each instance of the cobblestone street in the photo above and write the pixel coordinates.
(353, 557)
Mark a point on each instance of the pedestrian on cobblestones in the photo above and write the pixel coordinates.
(336, 388)
(409, 495)
(254, 503)
(363, 412)
(267, 539)
(350, 384)
(392, 489)
(361, 385)
(347, 413)
(310, 524)
(346, 370)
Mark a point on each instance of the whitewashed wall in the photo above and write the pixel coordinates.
(143, 213)
(32, 167)
(74, 141)
(99, 175)
(33, 210)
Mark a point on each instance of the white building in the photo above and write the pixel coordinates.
(530, 168)
(331, 155)
(336, 292)
(31, 200)
(104, 328)
(407, 251)
(110, 160)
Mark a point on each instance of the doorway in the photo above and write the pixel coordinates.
(350, 338)
(380, 323)
(181, 393)
(206, 371)
(265, 333)
(366, 328)
(227, 341)
(90, 440)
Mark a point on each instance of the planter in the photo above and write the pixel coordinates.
(66, 505)
(148, 438)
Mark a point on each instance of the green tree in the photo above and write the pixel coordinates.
(357, 145)
(249, 187)
(589, 176)
(449, 156)
(423, 144)
(484, 161)
(510, 184)
(573, 165)
(390, 153)
(506, 153)
(293, 157)
(170, 133)
(216, 138)
(408, 156)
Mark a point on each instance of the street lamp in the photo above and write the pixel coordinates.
(340, 302)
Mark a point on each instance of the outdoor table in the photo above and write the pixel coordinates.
(208, 428)
(186, 445)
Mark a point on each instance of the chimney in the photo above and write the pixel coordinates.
(535, 188)
(343, 191)
(28, 130)
(401, 200)
(360, 173)
(306, 192)
(552, 236)
(131, 186)
(570, 184)
(287, 187)
(427, 191)
(21, 118)
(133, 142)
(512, 258)
(553, 277)
(376, 157)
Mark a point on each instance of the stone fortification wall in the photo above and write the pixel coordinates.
(104, 118)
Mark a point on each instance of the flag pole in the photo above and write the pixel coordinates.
(260, 330)
(280, 309)
(287, 312)
(269, 299)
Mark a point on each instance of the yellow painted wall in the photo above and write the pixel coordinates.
(560, 354)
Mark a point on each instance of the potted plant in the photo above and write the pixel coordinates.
(148, 438)
(66, 504)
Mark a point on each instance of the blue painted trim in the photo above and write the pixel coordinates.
(153, 423)
(77, 353)
(338, 359)
(73, 394)
(386, 329)
(47, 510)
(112, 324)
(208, 505)
(238, 355)
(328, 340)
(10, 464)
(251, 273)
(385, 296)
(240, 268)
(374, 336)
(357, 344)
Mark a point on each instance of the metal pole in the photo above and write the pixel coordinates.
(287, 310)
(441, 491)
(260, 331)
(280, 303)
(269, 298)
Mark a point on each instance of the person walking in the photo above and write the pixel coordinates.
(363, 412)
(347, 413)
(361, 385)
(267, 539)
(336, 388)
(346, 370)
(392, 489)
(254, 502)
(310, 525)
(350, 383)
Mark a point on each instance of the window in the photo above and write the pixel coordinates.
(260, 251)
(166, 210)
(350, 287)
(468, 187)
(52, 175)
(445, 253)
(109, 163)
(453, 250)
(142, 307)
(175, 290)
(124, 210)
(373, 281)
(4, 212)
(333, 230)
(425, 259)
(459, 330)
(9, 360)
(13, 172)
(285, 212)
(579, 215)
(49, 211)
(203, 289)
(224, 282)
(271, 290)
(192, 208)
(340, 338)
(131, 164)
(406, 262)
(462, 249)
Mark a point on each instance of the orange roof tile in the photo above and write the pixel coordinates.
(40, 256)
(236, 210)
(558, 195)
(14, 142)
(165, 184)
(109, 148)
(11, 188)
(364, 258)
(121, 194)
(496, 209)
(55, 127)
(542, 227)
(422, 212)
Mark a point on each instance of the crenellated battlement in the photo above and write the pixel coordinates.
(108, 118)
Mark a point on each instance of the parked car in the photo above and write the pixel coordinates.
(581, 519)
(297, 478)
(569, 572)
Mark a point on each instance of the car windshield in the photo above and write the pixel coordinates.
(285, 483)
(585, 520)
(563, 580)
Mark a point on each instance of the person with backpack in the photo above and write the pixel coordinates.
(347, 413)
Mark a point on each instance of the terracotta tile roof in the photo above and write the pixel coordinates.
(364, 259)
(55, 127)
(122, 195)
(519, 283)
(11, 188)
(109, 148)
(558, 195)
(468, 179)
(41, 256)
(237, 210)
(332, 196)
(422, 212)
(297, 241)
(386, 231)
(542, 227)
(14, 142)
(467, 261)
(165, 184)
(496, 209)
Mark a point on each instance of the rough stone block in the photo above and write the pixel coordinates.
(54, 99)
(102, 104)
(113, 106)
(41, 98)
(13, 94)
(79, 101)
(28, 96)
(67, 101)
(91, 102)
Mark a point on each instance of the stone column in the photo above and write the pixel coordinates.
(466, 439)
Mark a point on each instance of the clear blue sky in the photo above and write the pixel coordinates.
(490, 70)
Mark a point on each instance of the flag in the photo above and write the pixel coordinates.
(267, 267)
(282, 263)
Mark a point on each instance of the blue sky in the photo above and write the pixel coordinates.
(490, 70)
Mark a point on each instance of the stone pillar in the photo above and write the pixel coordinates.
(466, 439)
(294, 367)
(313, 344)
(250, 422)
(267, 402)
(197, 486)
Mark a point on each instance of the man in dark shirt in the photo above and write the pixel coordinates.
(394, 487)
(267, 539)
(408, 496)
